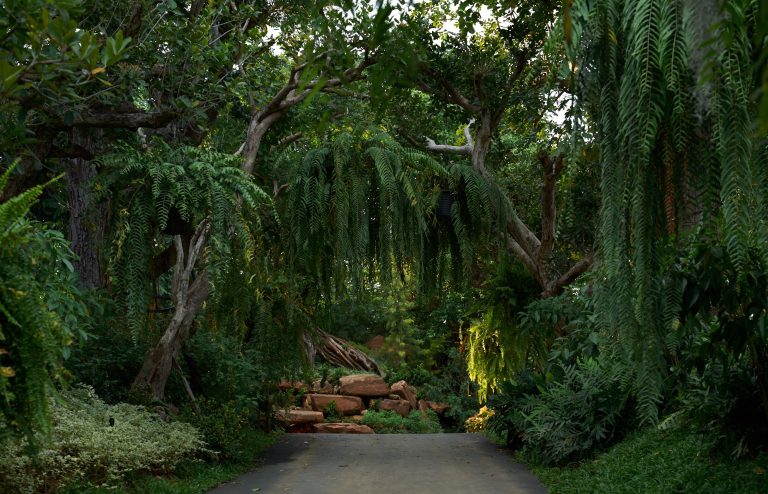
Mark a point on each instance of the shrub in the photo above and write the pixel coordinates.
(479, 421)
(575, 414)
(96, 443)
(228, 428)
(389, 422)
(41, 313)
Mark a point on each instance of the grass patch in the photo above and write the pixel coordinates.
(189, 477)
(659, 462)
(389, 422)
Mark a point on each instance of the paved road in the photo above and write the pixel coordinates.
(385, 463)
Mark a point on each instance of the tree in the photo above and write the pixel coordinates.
(500, 73)
(669, 88)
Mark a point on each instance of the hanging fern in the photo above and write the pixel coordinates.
(164, 191)
(363, 208)
(637, 78)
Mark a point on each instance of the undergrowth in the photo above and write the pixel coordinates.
(654, 461)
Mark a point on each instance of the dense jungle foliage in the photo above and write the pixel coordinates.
(551, 216)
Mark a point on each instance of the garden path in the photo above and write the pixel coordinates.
(384, 463)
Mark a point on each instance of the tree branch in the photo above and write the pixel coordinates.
(123, 120)
(286, 140)
(465, 150)
(449, 91)
(556, 287)
(551, 170)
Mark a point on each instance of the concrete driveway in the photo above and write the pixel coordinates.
(385, 463)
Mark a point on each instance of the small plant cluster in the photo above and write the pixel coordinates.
(389, 422)
(479, 421)
(92, 442)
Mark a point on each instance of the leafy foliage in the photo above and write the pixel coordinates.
(166, 190)
(98, 443)
(42, 313)
(657, 461)
(389, 422)
(372, 205)
(574, 414)
(639, 62)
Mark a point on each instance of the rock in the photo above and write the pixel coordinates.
(376, 342)
(401, 389)
(285, 385)
(346, 405)
(326, 389)
(423, 407)
(299, 416)
(402, 407)
(438, 408)
(363, 385)
(342, 428)
(357, 418)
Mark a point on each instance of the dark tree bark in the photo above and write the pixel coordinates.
(88, 217)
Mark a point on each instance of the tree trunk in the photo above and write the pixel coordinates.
(256, 130)
(339, 352)
(188, 298)
(87, 218)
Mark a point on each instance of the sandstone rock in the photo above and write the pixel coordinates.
(326, 388)
(363, 385)
(346, 405)
(299, 416)
(285, 385)
(406, 392)
(357, 418)
(423, 407)
(342, 428)
(402, 407)
(438, 408)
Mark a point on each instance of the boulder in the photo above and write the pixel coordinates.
(342, 428)
(438, 408)
(363, 385)
(406, 392)
(285, 385)
(402, 407)
(357, 418)
(326, 388)
(299, 416)
(346, 405)
(423, 407)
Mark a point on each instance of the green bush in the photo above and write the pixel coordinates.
(95, 443)
(575, 414)
(654, 461)
(41, 313)
(228, 428)
(389, 422)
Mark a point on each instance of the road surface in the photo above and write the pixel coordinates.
(385, 463)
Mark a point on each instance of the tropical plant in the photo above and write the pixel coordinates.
(657, 77)
(197, 197)
(96, 443)
(42, 313)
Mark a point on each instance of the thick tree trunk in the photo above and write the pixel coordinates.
(188, 298)
(88, 218)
